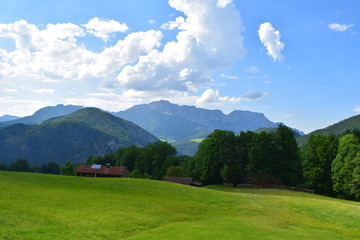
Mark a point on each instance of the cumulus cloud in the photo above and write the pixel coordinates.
(357, 109)
(254, 95)
(208, 96)
(104, 28)
(209, 39)
(270, 38)
(339, 27)
(53, 53)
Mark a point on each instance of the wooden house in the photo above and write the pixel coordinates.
(96, 170)
(183, 180)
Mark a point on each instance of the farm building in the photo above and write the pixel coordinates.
(183, 180)
(96, 170)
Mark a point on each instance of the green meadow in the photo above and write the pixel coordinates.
(39, 206)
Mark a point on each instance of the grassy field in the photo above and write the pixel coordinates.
(36, 206)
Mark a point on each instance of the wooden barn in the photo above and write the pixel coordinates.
(183, 180)
(96, 170)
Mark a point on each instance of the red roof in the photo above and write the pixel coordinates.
(102, 170)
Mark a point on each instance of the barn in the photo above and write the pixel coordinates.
(96, 170)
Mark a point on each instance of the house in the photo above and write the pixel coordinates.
(183, 180)
(96, 170)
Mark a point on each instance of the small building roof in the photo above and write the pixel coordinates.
(181, 180)
(102, 170)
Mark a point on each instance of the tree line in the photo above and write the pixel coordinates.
(328, 164)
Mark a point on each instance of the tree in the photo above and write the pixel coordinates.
(317, 156)
(67, 169)
(20, 165)
(3, 166)
(288, 165)
(346, 168)
(173, 171)
(50, 167)
(218, 149)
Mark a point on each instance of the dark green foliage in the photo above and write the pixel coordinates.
(151, 161)
(3, 166)
(271, 157)
(20, 165)
(288, 168)
(346, 168)
(174, 171)
(50, 168)
(67, 169)
(317, 156)
(218, 149)
(338, 129)
(76, 136)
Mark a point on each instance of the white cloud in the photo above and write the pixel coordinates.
(104, 28)
(228, 76)
(174, 24)
(209, 39)
(44, 91)
(10, 90)
(223, 3)
(271, 40)
(254, 95)
(53, 54)
(251, 69)
(289, 115)
(339, 27)
(208, 96)
(357, 109)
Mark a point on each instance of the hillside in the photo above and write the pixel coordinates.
(173, 122)
(8, 118)
(74, 137)
(338, 129)
(43, 114)
(39, 206)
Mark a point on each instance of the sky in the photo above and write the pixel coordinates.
(295, 61)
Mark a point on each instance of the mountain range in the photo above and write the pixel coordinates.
(75, 137)
(182, 126)
(173, 122)
(41, 115)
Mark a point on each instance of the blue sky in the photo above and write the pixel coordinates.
(294, 61)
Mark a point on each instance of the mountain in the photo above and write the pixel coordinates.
(173, 122)
(75, 137)
(8, 118)
(44, 114)
(340, 128)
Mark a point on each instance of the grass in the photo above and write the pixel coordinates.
(37, 206)
(198, 140)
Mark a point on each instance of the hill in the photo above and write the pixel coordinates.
(39, 206)
(75, 137)
(173, 122)
(338, 129)
(8, 118)
(43, 114)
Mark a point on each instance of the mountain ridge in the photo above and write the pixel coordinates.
(75, 136)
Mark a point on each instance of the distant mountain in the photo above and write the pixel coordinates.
(8, 118)
(75, 137)
(173, 122)
(338, 129)
(297, 133)
(44, 114)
